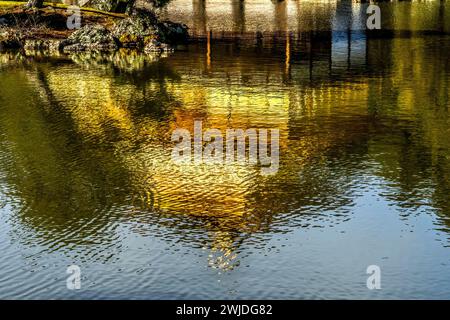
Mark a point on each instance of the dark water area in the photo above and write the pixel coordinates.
(87, 178)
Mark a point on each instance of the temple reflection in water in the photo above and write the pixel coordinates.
(120, 115)
(95, 148)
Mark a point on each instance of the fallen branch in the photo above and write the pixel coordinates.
(64, 7)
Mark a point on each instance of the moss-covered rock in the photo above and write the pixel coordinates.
(91, 37)
(9, 39)
(143, 28)
(136, 30)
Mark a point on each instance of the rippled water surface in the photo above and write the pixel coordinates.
(86, 175)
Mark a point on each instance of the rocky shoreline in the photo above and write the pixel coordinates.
(45, 30)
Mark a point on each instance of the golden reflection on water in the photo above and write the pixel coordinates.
(98, 133)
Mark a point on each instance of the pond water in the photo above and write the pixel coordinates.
(87, 177)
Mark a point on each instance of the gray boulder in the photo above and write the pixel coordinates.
(51, 45)
(172, 32)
